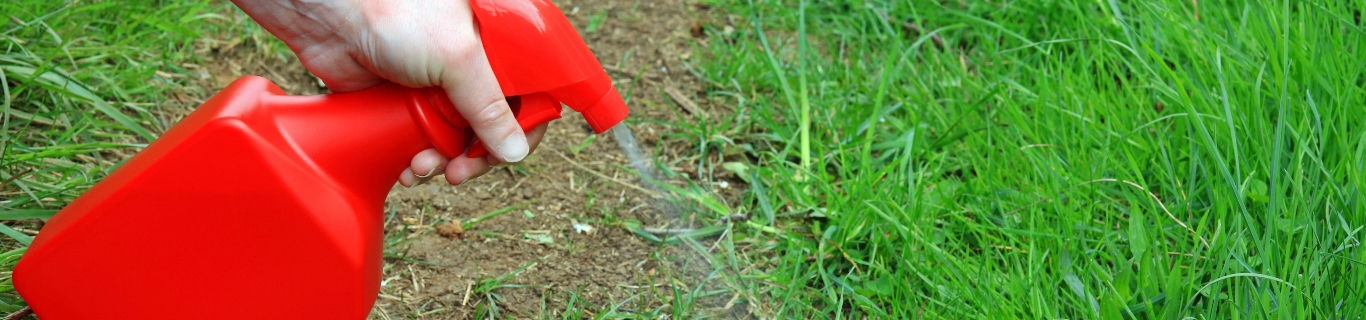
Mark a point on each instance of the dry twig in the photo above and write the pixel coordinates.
(1159, 204)
(667, 231)
(603, 176)
(19, 314)
(683, 101)
(646, 75)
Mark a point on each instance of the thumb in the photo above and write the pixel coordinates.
(473, 89)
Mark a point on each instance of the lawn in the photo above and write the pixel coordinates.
(85, 86)
(1045, 159)
(1109, 159)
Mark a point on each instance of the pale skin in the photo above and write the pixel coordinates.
(356, 44)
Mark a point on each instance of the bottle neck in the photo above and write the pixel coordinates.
(363, 139)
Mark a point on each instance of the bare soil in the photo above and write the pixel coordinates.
(636, 40)
(435, 269)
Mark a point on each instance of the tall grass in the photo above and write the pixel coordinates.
(1052, 159)
(85, 85)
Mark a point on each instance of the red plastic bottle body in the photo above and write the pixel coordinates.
(256, 205)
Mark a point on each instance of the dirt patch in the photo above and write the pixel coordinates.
(560, 243)
(641, 43)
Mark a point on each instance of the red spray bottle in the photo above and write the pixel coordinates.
(262, 205)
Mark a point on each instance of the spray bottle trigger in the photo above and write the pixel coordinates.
(531, 110)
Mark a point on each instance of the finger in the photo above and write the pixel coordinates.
(427, 163)
(407, 179)
(474, 91)
(463, 169)
(533, 138)
(493, 161)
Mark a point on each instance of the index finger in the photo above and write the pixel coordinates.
(474, 91)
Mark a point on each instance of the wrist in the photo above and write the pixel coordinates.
(303, 24)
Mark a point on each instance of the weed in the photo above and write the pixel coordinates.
(85, 86)
(488, 308)
(1059, 159)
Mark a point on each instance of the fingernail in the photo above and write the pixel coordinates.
(514, 149)
(429, 173)
(463, 181)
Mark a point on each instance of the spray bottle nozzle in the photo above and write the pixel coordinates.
(540, 62)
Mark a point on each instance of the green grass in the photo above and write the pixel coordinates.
(85, 85)
(1054, 159)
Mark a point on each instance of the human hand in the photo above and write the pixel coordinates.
(356, 44)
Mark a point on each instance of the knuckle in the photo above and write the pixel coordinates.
(465, 50)
(491, 113)
(460, 51)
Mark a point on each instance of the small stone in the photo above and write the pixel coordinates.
(528, 193)
(451, 230)
(582, 228)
